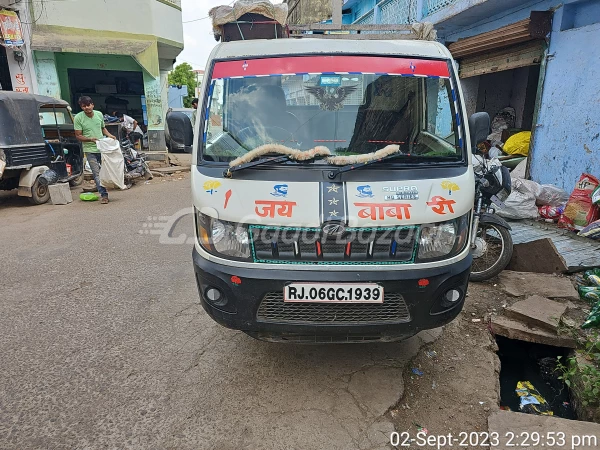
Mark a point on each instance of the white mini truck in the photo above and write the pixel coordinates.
(333, 189)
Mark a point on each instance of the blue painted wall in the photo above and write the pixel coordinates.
(567, 142)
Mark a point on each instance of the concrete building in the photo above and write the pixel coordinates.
(536, 56)
(308, 11)
(117, 52)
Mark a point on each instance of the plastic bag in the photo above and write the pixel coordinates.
(519, 171)
(505, 118)
(592, 231)
(531, 401)
(107, 145)
(520, 204)
(552, 196)
(580, 211)
(112, 171)
(551, 212)
(518, 144)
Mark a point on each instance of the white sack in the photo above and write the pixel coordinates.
(520, 204)
(107, 145)
(112, 172)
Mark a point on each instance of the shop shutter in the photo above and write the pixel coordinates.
(528, 54)
(516, 45)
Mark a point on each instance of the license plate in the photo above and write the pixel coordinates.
(332, 293)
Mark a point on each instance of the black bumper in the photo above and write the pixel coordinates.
(244, 289)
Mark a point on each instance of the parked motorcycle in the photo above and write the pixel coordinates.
(491, 242)
(135, 163)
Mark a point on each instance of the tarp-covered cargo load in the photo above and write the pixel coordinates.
(249, 19)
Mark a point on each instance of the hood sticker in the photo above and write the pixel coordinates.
(280, 190)
(268, 208)
(211, 186)
(333, 202)
(401, 193)
(450, 187)
(438, 205)
(364, 191)
(379, 211)
(227, 197)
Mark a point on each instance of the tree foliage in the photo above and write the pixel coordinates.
(183, 75)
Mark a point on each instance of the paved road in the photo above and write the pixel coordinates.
(103, 345)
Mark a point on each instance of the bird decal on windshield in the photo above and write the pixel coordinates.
(331, 99)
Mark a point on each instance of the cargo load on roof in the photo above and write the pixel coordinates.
(249, 19)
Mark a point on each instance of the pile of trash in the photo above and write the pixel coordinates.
(529, 199)
(589, 290)
(516, 144)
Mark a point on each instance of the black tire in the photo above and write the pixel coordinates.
(77, 181)
(40, 193)
(479, 270)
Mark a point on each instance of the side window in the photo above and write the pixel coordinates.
(51, 117)
(214, 126)
(440, 120)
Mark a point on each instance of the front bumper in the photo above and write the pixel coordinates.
(244, 290)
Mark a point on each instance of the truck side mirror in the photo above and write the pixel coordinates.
(180, 130)
(479, 129)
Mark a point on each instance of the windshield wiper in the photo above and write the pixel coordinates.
(418, 159)
(286, 154)
(274, 160)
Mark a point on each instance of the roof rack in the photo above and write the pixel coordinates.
(414, 31)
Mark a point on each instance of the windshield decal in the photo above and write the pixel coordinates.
(331, 65)
(330, 99)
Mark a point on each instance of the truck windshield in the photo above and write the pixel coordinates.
(349, 112)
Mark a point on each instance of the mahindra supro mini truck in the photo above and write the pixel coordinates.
(332, 188)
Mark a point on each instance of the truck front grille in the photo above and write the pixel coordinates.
(360, 246)
(273, 309)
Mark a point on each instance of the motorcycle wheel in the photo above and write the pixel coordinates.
(492, 253)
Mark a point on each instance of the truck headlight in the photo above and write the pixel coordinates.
(223, 238)
(443, 240)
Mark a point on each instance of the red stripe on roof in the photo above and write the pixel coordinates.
(319, 64)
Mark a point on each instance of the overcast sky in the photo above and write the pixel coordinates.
(197, 35)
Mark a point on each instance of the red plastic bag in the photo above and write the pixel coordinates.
(580, 211)
(551, 212)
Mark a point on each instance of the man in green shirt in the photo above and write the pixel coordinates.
(89, 127)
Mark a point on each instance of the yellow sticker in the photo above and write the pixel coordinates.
(211, 186)
(450, 186)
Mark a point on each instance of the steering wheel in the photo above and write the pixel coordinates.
(253, 137)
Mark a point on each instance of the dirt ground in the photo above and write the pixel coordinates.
(460, 386)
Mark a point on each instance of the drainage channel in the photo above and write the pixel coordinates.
(536, 363)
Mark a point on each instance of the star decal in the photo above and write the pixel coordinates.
(333, 188)
(333, 213)
(334, 201)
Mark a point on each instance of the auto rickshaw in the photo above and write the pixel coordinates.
(37, 145)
